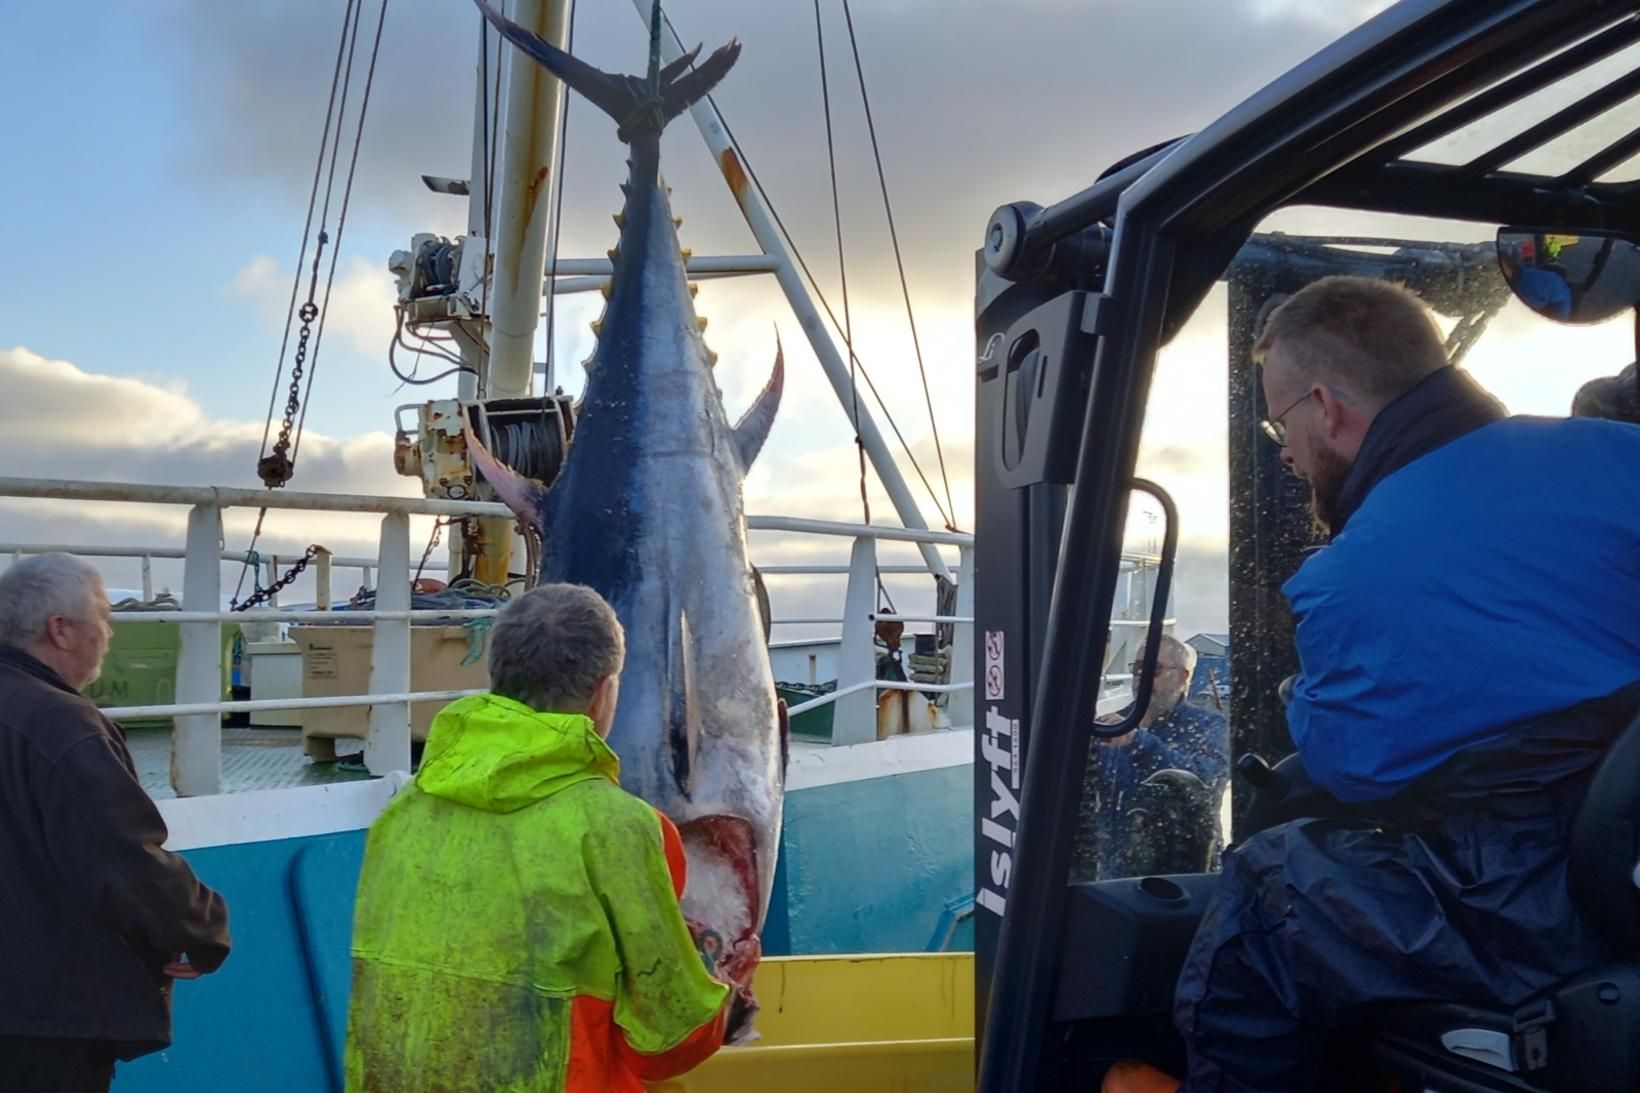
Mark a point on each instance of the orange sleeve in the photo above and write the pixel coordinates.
(699, 1046)
(676, 863)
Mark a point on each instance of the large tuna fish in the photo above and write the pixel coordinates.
(648, 511)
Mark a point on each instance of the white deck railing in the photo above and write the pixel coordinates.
(270, 563)
(197, 739)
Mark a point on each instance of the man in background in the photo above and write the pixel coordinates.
(1151, 797)
(1615, 398)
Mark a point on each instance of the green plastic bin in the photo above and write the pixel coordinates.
(812, 724)
(141, 668)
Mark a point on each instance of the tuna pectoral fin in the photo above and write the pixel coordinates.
(682, 717)
(761, 592)
(525, 496)
(682, 83)
(785, 718)
(753, 428)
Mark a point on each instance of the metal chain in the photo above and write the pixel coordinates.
(275, 470)
(263, 595)
(432, 545)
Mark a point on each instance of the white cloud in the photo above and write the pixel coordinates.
(62, 422)
(65, 422)
(1334, 15)
(259, 283)
(360, 305)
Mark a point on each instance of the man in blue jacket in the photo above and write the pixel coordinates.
(1136, 818)
(1455, 692)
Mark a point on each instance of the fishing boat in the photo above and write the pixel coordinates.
(273, 733)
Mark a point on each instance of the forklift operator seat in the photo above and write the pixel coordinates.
(1584, 1035)
(1605, 851)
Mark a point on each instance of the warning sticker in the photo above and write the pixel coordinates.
(321, 664)
(993, 666)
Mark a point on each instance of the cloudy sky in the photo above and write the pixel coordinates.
(160, 153)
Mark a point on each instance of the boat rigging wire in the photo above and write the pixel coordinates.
(842, 263)
(275, 468)
(899, 263)
(307, 227)
(341, 222)
(848, 321)
(814, 283)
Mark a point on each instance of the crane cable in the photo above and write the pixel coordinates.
(899, 263)
(276, 467)
(842, 264)
(819, 293)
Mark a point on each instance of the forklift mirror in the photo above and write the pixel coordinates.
(1159, 602)
(1581, 277)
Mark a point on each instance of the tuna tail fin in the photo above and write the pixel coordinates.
(639, 106)
(753, 427)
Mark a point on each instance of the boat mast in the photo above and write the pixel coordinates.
(531, 102)
(533, 99)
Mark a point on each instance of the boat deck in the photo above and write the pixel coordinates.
(252, 758)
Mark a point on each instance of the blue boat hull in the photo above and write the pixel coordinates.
(868, 865)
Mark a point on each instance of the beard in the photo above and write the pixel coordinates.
(89, 676)
(1161, 704)
(1326, 481)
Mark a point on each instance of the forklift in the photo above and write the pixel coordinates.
(1074, 301)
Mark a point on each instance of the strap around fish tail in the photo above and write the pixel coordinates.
(641, 106)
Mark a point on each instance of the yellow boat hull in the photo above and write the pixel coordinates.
(862, 1024)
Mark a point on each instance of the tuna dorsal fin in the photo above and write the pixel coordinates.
(682, 715)
(753, 427)
(638, 106)
(525, 496)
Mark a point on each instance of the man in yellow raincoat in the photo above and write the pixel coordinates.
(517, 926)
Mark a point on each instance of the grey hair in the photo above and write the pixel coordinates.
(39, 587)
(1185, 654)
(552, 645)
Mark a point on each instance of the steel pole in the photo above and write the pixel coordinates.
(529, 142)
(478, 191)
(758, 218)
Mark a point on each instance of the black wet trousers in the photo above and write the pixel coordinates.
(39, 1064)
(1314, 921)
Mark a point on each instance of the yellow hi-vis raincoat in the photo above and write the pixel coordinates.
(517, 926)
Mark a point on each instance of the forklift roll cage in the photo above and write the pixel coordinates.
(1127, 261)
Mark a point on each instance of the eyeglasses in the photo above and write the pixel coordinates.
(1136, 669)
(1273, 426)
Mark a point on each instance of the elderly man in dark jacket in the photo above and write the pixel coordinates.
(96, 918)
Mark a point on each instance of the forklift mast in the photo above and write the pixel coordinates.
(1072, 303)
